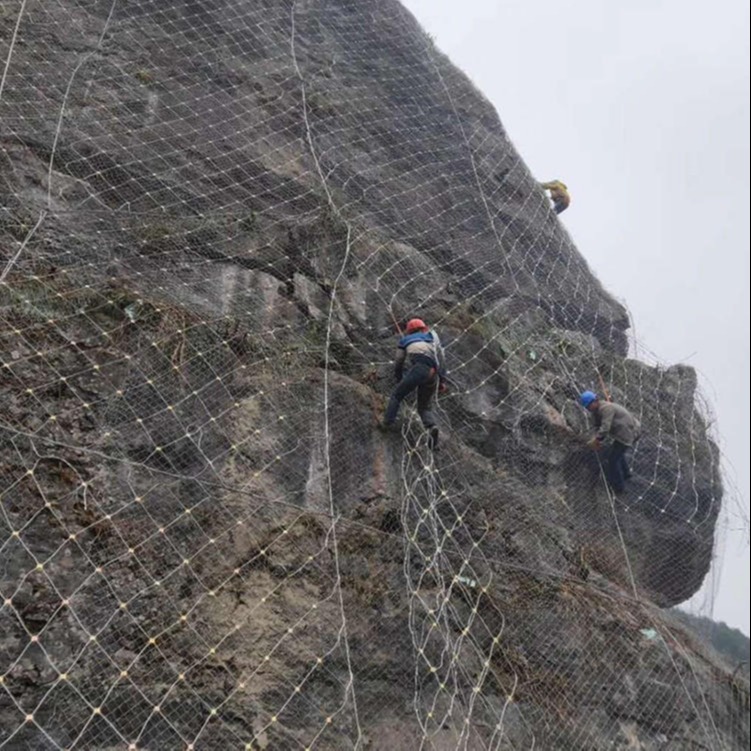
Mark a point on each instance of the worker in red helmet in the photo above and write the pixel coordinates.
(421, 353)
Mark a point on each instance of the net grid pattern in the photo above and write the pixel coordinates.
(214, 221)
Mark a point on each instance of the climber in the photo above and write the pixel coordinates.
(420, 349)
(612, 420)
(559, 195)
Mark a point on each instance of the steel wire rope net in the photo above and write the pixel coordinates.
(212, 217)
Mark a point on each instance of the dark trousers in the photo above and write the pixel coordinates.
(423, 378)
(618, 469)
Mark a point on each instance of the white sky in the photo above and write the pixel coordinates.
(642, 109)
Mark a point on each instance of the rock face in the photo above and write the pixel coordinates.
(213, 216)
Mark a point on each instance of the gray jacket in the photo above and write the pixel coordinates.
(617, 422)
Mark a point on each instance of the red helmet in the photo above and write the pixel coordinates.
(416, 324)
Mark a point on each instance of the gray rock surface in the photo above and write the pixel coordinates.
(212, 216)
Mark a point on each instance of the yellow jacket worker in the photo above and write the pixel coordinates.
(559, 195)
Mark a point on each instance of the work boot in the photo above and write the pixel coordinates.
(387, 427)
(433, 435)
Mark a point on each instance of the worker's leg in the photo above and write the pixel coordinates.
(414, 377)
(425, 396)
(627, 457)
(624, 464)
(616, 463)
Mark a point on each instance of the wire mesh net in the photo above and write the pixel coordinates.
(215, 218)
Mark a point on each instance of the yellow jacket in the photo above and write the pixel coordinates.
(558, 193)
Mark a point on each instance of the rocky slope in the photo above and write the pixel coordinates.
(213, 217)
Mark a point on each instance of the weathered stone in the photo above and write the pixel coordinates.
(225, 337)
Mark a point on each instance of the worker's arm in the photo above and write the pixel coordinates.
(606, 422)
(401, 356)
(440, 357)
(443, 376)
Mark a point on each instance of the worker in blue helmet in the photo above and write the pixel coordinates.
(614, 422)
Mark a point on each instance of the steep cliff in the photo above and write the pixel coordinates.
(214, 217)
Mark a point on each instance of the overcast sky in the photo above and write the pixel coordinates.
(642, 109)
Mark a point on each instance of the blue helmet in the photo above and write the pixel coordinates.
(587, 398)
